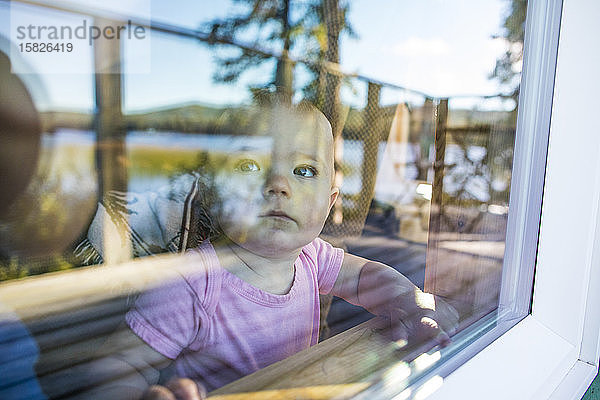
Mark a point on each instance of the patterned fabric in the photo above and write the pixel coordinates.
(146, 223)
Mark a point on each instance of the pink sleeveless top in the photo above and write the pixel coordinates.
(218, 328)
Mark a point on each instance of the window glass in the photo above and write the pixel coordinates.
(149, 146)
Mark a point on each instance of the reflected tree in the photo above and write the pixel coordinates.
(270, 22)
(508, 66)
(330, 21)
(309, 28)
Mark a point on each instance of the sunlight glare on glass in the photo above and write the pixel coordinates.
(397, 373)
(429, 387)
(404, 395)
(425, 360)
(424, 190)
(497, 209)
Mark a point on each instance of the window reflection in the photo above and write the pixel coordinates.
(423, 168)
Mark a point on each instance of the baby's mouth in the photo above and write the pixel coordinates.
(278, 215)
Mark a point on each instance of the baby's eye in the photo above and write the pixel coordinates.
(306, 171)
(247, 166)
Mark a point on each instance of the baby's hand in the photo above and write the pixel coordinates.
(176, 389)
(412, 315)
(427, 319)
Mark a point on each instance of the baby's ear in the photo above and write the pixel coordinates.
(333, 196)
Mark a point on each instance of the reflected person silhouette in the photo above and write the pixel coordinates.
(19, 149)
(20, 135)
(18, 354)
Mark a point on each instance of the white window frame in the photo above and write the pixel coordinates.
(553, 353)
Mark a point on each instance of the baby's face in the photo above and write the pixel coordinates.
(275, 188)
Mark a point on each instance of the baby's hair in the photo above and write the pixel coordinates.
(252, 119)
(198, 225)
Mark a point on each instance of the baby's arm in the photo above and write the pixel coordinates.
(385, 292)
(129, 369)
(133, 373)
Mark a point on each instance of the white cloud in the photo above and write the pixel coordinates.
(419, 47)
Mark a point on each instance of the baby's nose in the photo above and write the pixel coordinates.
(277, 185)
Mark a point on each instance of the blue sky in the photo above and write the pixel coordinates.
(441, 47)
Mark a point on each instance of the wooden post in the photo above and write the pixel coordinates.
(329, 90)
(332, 55)
(438, 166)
(398, 140)
(371, 138)
(284, 73)
(467, 276)
(431, 267)
(426, 137)
(111, 158)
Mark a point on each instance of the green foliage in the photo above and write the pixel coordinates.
(273, 30)
(514, 23)
(154, 161)
(513, 32)
(317, 47)
(269, 22)
(192, 118)
(16, 267)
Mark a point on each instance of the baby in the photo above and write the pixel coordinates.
(249, 293)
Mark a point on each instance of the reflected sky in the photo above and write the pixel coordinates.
(443, 48)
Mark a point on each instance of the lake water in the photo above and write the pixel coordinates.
(352, 155)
